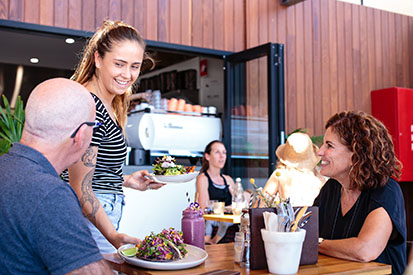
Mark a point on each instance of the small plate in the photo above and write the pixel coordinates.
(175, 178)
(194, 257)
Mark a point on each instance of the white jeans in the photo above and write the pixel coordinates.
(113, 206)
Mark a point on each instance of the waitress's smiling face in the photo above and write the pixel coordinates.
(335, 157)
(118, 69)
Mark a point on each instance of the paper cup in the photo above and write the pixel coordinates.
(181, 105)
(188, 107)
(212, 110)
(283, 250)
(172, 104)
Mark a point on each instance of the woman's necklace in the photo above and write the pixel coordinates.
(216, 178)
(352, 217)
(108, 105)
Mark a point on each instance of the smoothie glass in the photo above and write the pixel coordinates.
(193, 227)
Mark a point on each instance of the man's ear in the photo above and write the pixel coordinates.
(78, 140)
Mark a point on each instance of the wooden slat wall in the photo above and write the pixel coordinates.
(335, 52)
(218, 24)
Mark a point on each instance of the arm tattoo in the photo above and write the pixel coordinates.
(89, 202)
(89, 157)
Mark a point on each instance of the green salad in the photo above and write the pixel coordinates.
(166, 166)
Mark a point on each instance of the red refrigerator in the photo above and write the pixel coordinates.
(393, 106)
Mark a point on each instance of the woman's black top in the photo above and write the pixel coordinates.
(333, 225)
(219, 192)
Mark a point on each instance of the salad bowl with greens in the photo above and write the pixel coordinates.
(166, 166)
(166, 170)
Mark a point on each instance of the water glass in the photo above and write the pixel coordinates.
(219, 208)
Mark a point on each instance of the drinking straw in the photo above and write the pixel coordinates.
(251, 200)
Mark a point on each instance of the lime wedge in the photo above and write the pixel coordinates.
(129, 252)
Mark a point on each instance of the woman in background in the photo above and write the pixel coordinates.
(361, 208)
(111, 63)
(211, 184)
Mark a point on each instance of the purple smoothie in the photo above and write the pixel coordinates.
(193, 227)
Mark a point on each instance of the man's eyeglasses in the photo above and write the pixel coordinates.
(92, 124)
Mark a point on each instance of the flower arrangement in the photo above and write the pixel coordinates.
(270, 201)
(194, 206)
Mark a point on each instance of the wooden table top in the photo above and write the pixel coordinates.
(221, 257)
(223, 218)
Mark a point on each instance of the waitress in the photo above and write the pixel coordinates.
(111, 63)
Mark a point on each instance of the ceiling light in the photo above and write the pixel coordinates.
(34, 60)
(70, 40)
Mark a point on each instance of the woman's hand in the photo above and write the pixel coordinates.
(140, 180)
(119, 239)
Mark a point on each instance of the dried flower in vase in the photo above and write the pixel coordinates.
(270, 201)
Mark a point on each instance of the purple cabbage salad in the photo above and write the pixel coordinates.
(165, 246)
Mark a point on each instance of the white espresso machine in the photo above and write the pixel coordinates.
(154, 134)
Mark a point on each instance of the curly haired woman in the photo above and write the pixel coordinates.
(362, 214)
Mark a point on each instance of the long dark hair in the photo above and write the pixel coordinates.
(374, 160)
(205, 162)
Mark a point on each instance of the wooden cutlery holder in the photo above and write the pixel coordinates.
(309, 254)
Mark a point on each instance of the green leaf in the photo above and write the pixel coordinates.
(19, 116)
(318, 140)
(5, 133)
(4, 146)
(6, 105)
(4, 117)
(11, 123)
(12, 128)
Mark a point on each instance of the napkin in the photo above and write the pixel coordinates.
(270, 221)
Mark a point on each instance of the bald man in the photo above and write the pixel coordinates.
(42, 227)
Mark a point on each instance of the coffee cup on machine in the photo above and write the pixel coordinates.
(172, 104)
(181, 105)
(212, 110)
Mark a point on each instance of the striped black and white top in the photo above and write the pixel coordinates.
(108, 137)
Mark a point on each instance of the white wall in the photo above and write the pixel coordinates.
(397, 6)
(154, 210)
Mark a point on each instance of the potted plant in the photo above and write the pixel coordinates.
(11, 124)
